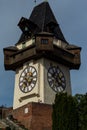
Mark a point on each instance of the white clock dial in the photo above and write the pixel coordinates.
(28, 79)
(56, 79)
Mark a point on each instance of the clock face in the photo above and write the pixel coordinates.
(28, 79)
(56, 79)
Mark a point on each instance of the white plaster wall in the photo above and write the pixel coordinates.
(27, 43)
(49, 93)
(38, 89)
(43, 91)
(59, 43)
(18, 93)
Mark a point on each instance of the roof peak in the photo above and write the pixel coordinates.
(42, 19)
(42, 15)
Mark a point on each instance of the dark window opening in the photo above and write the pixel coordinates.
(44, 41)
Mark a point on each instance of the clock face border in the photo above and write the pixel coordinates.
(28, 79)
(56, 78)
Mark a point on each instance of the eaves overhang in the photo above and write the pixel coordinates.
(30, 53)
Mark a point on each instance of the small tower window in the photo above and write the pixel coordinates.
(26, 29)
(23, 45)
(26, 110)
(44, 41)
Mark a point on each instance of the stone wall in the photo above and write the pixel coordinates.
(34, 116)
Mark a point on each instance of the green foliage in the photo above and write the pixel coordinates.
(64, 113)
(82, 110)
(70, 113)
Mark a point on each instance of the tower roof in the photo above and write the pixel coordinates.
(43, 20)
(42, 15)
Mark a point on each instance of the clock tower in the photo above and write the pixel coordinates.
(42, 59)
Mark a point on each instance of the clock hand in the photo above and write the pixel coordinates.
(58, 80)
(29, 78)
(24, 84)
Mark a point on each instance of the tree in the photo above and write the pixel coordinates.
(82, 110)
(65, 116)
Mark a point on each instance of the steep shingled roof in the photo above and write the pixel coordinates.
(44, 19)
(42, 15)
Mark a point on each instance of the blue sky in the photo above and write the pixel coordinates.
(72, 18)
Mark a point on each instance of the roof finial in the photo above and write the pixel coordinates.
(35, 1)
